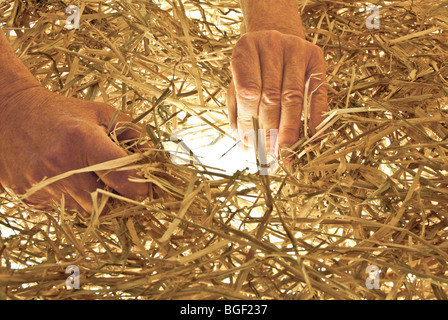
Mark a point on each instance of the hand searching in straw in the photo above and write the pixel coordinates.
(51, 135)
(270, 73)
(43, 135)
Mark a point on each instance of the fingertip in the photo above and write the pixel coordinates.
(246, 136)
(288, 136)
(287, 154)
(121, 181)
(137, 190)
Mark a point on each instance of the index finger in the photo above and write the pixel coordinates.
(247, 81)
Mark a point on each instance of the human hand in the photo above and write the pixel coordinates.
(270, 71)
(44, 134)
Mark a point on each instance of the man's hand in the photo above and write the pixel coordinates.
(271, 65)
(44, 134)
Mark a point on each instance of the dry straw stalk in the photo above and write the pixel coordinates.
(372, 192)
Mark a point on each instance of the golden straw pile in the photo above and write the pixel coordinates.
(372, 194)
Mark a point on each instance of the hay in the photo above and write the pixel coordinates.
(373, 192)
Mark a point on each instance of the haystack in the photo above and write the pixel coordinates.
(371, 195)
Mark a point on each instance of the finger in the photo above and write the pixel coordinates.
(101, 149)
(233, 117)
(42, 199)
(247, 81)
(42, 203)
(231, 107)
(80, 187)
(272, 69)
(121, 125)
(316, 71)
(292, 93)
(46, 198)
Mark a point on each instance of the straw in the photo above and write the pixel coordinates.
(371, 192)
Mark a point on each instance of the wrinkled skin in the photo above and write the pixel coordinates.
(270, 70)
(45, 134)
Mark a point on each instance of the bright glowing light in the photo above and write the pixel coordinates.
(5, 233)
(212, 149)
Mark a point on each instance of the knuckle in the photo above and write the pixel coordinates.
(271, 97)
(249, 93)
(104, 113)
(244, 40)
(250, 37)
(75, 131)
(249, 42)
(271, 36)
(316, 54)
(314, 49)
(76, 137)
(292, 97)
(295, 42)
(244, 121)
(244, 45)
(65, 148)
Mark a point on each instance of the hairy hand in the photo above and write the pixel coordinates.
(270, 71)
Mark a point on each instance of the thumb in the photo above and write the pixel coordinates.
(120, 124)
(100, 148)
